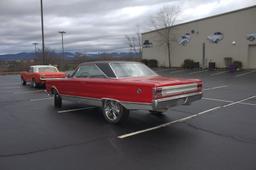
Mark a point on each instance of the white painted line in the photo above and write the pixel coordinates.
(10, 87)
(217, 87)
(27, 92)
(195, 72)
(35, 100)
(244, 74)
(181, 120)
(219, 73)
(240, 101)
(166, 124)
(74, 110)
(228, 101)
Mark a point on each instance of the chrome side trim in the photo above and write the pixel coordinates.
(86, 100)
(44, 79)
(157, 105)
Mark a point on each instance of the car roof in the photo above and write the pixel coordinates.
(106, 62)
(42, 66)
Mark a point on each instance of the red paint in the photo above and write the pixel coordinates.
(123, 89)
(28, 76)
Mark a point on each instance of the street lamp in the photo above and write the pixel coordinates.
(35, 44)
(62, 32)
(42, 27)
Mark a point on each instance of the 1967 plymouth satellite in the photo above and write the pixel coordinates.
(38, 74)
(119, 86)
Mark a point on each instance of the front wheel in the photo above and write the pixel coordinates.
(114, 112)
(34, 84)
(57, 100)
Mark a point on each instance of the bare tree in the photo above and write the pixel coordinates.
(163, 22)
(135, 42)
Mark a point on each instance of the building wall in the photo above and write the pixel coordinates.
(235, 26)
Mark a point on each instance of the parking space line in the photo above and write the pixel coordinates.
(228, 101)
(244, 74)
(217, 87)
(219, 73)
(10, 87)
(182, 119)
(74, 110)
(35, 100)
(195, 72)
(27, 92)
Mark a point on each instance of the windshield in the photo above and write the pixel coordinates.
(131, 70)
(47, 69)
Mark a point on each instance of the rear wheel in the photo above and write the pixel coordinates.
(24, 83)
(57, 100)
(114, 112)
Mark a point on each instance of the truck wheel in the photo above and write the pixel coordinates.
(57, 100)
(114, 112)
(34, 84)
(24, 83)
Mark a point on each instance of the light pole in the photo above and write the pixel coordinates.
(42, 27)
(35, 44)
(62, 42)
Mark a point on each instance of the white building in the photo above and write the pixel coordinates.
(231, 34)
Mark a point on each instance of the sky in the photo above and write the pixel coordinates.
(92, 25)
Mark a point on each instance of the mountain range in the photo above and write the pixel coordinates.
(68, 55)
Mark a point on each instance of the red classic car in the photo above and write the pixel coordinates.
(38, 74)
(119, 86)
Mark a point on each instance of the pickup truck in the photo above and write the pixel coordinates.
(38, 74)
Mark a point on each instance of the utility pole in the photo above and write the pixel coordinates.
(42, 27)
(63, 56)
(35, 44)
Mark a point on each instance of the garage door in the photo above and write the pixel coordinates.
(252, 56)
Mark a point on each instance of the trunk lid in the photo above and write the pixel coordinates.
(52, 75)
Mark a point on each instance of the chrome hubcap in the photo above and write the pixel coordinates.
(112, 110)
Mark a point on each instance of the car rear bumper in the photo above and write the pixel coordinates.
(164, 103)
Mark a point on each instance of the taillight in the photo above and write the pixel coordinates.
(157, 93)
(200, 86)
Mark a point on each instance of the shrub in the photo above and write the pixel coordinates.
(152, 63)
(238, 65)
(188, 64)
(145, 61)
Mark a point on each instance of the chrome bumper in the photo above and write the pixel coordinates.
(164, 103)
(44, 79)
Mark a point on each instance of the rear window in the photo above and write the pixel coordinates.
(47, 69)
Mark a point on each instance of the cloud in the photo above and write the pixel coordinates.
(91, 25)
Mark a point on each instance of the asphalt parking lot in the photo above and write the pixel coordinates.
(217, 132)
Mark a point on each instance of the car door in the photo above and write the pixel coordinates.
(85, 81)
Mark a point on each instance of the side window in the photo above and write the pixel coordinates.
(89, 71)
